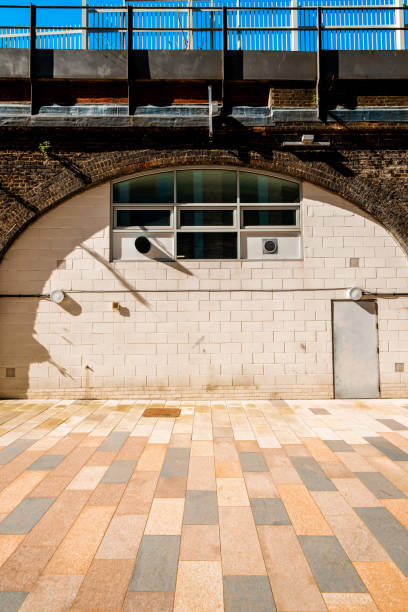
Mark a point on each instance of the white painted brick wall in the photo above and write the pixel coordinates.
(250, 328)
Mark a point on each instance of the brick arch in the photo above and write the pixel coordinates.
(384, 205)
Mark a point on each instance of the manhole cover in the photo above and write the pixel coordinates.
(170, 413)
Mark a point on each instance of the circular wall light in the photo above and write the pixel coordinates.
(355, 293)
(57, 296)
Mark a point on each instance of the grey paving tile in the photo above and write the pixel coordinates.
(269, 512)
(10, 601)
(47, 462)
(312, 475)
(339, 446)
(26, 515)
(201, 508)
(253, 462)
(119, 471)
(392, 424)
(379, 485)
(389, 532)
(390, 450)
(114, 441)
(175, 463)
(248, 593)
(14, 449)
(319, 411)
(330, 565)
(156, 564)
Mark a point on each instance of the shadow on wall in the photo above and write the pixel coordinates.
(35, 265)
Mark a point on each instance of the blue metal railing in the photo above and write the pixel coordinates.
(251, 25)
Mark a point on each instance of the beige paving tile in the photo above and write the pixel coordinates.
(303, 511)
(228, 469)
(171, 487)
(386, 584)
(138, 495)
(122, 538)
(240, 549)
(199, 587)
(232, 492)
(260, 484)
(76, 551)
(355, 462)
(355, 493)
(334, 469)
(202, 448)
(148, 602)
(180, 440)
(293, 585)
(200, 543)
(349, 602)
(201, 474)
(87, 478)
(166, 516)
(55, 593)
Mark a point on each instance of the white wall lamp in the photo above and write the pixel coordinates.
(355, 293)
(57, 296)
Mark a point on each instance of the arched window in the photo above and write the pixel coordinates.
(206, 214)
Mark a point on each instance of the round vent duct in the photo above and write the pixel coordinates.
(270, 246)
(143, 244)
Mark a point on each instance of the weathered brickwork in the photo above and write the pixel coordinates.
(366, 164)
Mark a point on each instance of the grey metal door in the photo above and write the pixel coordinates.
(355, 349)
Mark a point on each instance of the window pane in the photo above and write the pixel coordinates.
(150, 189)
(207, 245)
(206, 217)
(269, 217)
(264, 189)
(146, 218)
(209, 186)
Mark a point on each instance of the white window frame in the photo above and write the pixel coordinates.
(237, 207)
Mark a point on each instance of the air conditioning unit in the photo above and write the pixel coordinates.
(270, 246)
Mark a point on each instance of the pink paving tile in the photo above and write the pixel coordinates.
(260, 484)
(180, 440)
(138, 495)
(200, 543)
(285, 560)
(280, 466)
(152, 458)
(240, 549)
(247, 446)
(355, 493)
(199, 587)
(55, 593)
(106, 494)
(171, 487)
(17, 490)
(122, 538)
(148, 602)
(319, 450)
(74, 461)
(202, 448)
(105, 585)
(51, 486)
(77, 549)
(8, 544)
(355, 462)
(101, 458)
(132, 449)
(201, 474)
(22, 569)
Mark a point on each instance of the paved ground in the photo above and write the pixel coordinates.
(243, 506)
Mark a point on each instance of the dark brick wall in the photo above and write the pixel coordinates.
(366, 164)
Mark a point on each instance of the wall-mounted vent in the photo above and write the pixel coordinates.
(270, 246)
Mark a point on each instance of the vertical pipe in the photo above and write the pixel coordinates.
(189, 25)
(33, 24)
(294, 39)
(224, 50)
(84, 24)
(318, 58)
(210, 112)
(129, 57)
(399, 22)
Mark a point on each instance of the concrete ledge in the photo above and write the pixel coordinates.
(203, 65)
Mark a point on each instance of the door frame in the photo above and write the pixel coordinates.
(375, 301)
